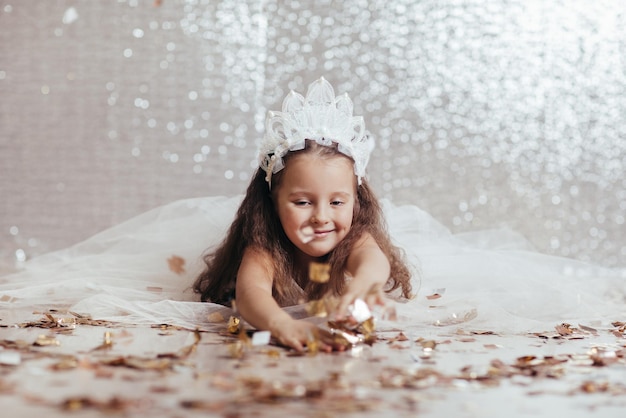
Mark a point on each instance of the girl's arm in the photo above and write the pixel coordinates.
(369, 269)
(258, 307)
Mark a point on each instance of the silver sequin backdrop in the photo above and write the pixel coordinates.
(486, 113)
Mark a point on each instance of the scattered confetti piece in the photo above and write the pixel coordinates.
(215, 317)
(107, 342)
(319, 272)
(233, 325)
(436, 294)
(176, 264)
(46, 341)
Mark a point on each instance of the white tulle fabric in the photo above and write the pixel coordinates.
(490, 279)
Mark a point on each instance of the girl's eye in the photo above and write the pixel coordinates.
(336, 203)
(301, 202)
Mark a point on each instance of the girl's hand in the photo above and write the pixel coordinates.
(369, 291)
(297, 334)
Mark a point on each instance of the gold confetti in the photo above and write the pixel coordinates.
(141, 363)
(113, 405)
(436, 294)
(588, 329)
(319, 272)
(215, 317)
(46, 341)
(185, 351)
(203, 405)
(428, 344)
(236, 349)
(272, 353)
(313, 344)
(106, 344)
(233, 325)
(317, 308)
(176, 264)
(594, 387)
(346, 333)
(564, 329)
(399, 337)
(65, 364)
(482, 332)
(367, 328)
(64, 325)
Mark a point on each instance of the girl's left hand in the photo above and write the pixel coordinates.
(369, 291)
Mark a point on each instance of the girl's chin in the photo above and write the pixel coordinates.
(315, 252)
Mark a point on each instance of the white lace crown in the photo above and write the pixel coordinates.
(320, 117)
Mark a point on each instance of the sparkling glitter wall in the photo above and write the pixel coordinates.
(486, 113)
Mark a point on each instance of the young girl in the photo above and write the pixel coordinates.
(307, 203)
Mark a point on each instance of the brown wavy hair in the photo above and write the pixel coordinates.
(257, 225)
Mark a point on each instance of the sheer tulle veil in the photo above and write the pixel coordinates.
(141, 272)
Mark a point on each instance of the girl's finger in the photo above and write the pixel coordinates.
(374, 299)
(342, 307)
(296, 345)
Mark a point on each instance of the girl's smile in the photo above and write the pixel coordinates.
(308, 233)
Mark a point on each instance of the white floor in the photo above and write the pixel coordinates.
(98, 369)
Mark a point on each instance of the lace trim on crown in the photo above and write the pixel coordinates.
(320, 116)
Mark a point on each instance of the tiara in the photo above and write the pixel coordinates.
(321, 117)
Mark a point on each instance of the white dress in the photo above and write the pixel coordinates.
(142, 270)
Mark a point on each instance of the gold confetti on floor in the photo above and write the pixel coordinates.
(105, 368)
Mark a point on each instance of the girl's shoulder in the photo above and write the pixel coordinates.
(259, 257)
(364, 240)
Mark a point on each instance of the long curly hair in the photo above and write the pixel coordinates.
(257, 225)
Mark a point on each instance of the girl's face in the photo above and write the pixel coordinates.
(315, 202)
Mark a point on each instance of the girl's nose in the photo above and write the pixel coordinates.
(320, 216)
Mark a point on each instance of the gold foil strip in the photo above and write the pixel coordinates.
(319, 272)
(322, 307)
(233, 325)
(46, 341)
(107, 342)
(238, 348)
